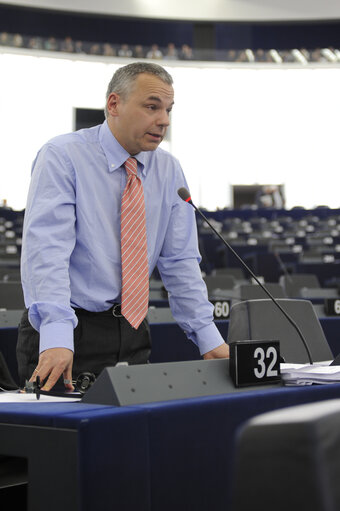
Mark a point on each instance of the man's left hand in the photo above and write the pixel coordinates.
(219, 352)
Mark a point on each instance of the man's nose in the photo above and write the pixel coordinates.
(164, 119)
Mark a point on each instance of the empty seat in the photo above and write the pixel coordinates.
(289, 459)
(237, 273)
(11, 296)
(214, 282)
(9, 274)
(293, 284)
(255, 292)
(160, 315)
(262, 320)
(323, 271)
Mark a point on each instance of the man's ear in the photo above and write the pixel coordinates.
(112, 104)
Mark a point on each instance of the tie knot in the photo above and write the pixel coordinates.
(131, 166)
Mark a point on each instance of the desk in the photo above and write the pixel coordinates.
(153, 457)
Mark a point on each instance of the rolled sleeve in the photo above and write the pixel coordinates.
(60, 335)
(207, 338)
(48, 241)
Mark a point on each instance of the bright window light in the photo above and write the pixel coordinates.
(230, 125)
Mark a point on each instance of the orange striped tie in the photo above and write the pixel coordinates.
(135, 270)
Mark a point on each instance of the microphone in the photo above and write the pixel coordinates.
(283, 266)
(185, 195)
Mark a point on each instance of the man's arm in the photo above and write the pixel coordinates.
(48, 241)
(178, 265)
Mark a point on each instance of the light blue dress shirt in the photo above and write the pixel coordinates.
(71, 240)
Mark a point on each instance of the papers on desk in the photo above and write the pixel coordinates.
(18, 397)
(307, 374)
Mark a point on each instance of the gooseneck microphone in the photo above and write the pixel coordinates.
(185, 195)
(282, 266)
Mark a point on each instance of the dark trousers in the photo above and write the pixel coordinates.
(100, 340)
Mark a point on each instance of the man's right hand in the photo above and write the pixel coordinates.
(53, 363)
(221, 351)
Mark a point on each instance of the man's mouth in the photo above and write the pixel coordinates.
(155, 136)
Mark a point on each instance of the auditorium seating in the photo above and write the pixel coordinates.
(276, 243)
(169, 53)
(11, 223)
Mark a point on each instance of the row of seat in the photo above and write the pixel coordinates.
(11, 224)
(227, 284)
(221, 285)
(271, 258)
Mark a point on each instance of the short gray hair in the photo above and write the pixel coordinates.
(124, 78)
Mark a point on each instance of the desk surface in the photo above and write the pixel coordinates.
(175, 455)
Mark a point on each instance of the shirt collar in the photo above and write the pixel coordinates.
(115, 154)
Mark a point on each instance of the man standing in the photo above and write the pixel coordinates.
(97, 197)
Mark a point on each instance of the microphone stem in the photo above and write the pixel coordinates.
(291, 321)
(283, 266)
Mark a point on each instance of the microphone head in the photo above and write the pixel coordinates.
(184, 194)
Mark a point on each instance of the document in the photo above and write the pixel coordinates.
(307, 374)
(25, 397)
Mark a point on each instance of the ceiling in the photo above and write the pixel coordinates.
(198, 10)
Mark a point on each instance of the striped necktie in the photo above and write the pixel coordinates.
(135, 271)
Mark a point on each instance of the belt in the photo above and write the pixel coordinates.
(113, 311)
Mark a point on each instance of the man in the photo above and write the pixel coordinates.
(72, 257)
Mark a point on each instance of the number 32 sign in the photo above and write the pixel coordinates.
(254, 362)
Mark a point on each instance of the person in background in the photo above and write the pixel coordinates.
(138, 52)
(186, 52)
(269, 197)
(18, 41)
(67, 45)
(154, 52)
(95, 49)
(124, 51)
(51, 44)
(171, 52)
(109, 50)
(6, 39)
(35, 43)
(79, 47)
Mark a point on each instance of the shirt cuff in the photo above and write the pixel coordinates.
(207, 338)
(56, 335)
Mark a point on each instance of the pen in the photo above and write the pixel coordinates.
(37, 388)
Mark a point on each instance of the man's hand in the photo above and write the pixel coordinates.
(52, 364)
(219, 352)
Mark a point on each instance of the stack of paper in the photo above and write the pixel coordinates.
(19, 397)
(307, 374)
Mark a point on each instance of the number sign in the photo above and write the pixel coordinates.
(332, 306)
(221, 309)
(254, 362)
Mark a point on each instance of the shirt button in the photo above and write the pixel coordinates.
(112, 165)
